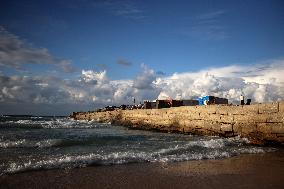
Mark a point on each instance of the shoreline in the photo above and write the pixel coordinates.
(244, 171)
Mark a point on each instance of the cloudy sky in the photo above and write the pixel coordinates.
(76, 55)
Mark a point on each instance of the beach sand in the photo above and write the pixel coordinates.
(245, 171)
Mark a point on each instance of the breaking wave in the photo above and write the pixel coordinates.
(27, 143)
(193, 150)
(51, 123)
(55, 142)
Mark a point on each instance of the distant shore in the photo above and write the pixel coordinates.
(245, 171)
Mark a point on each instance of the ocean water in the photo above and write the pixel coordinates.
(36, 143)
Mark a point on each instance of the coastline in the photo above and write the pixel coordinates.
(260, 123)
(244, 171)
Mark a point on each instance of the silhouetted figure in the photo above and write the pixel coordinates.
(248, 101)
(242, 99)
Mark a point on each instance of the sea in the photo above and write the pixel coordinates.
(29, 143)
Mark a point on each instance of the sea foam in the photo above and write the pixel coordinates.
(29, 143)
(211, 149)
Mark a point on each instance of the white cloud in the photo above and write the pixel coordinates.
(145, 80)
(95, 77)
(261, 82)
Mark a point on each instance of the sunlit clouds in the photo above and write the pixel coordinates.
(259, 82)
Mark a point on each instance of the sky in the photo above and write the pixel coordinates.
(61, 56)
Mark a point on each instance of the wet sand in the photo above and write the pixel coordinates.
(245, 171)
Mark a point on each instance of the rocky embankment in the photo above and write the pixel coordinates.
(261, 123)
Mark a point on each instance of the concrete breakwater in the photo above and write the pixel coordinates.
(261, 123)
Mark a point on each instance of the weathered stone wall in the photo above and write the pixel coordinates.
(261, 123)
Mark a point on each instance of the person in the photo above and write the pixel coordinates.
(242, 98)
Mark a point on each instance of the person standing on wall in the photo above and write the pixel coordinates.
(242, 98)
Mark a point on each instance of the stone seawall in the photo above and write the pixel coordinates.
(261, 123)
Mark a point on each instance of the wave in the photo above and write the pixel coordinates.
(193, 150)
(25, 143)
(69, 161)
(28, 143)
(52, 123)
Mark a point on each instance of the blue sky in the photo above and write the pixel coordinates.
(169, 36)
(165, 37)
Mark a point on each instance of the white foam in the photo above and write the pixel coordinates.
(11, 144)
(24, 121)
(36, 117)
(48, 143)
(55, 123)
(28, 143)
(161, 155)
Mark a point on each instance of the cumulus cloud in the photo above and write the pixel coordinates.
(145, 80)
(92, 89)
(15, 52)
(261, 82)
(94, 77)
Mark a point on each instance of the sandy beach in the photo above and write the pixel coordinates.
(245, 171)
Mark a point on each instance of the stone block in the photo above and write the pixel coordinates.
(148, 112)
(244, 127)
(155, 112)
(251, 118)
(280, 138)
(249, 128)
(165, 123)
(194, 123)
(204, 116)
(237, 127)
(210, 109)
(275, 117)
(199, 123)
(164, 116)
(250, 109)
(281, 107)
(213, 125)
(226, 118)
(215, 117)
(187, 129)
(228, 110)
(277, 128)
(194, 116)
(181, 109)
(188, 123)
(196, 109)
(170, 116)
(268, 108)
(264, 128)
(184, 116)
(226, 127)
(209, 123)
(190, 109)
(181, 122)
(172, 109)
(242, 118)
